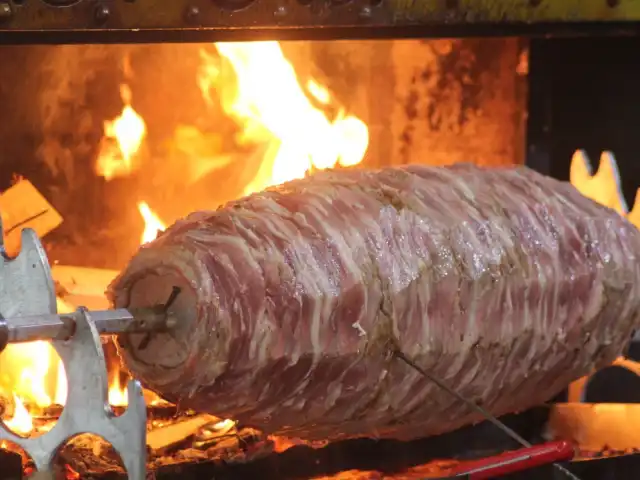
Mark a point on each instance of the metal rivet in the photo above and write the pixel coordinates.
(5, 11)
(365, 12)
(233, 5)
(192, 13)
(101, 13)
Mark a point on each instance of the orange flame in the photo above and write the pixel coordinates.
(21, 422)
(128, 130)
(117, 393)
(604, 185)
(30, 364)
(273, 107)
(152, 224)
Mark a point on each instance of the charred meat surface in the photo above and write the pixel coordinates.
(504, 283)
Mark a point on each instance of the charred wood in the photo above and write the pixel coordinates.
(250, 454)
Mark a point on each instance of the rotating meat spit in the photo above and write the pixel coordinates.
(27, 308)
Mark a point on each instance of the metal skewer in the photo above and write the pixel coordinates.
(474, 406)
(62, 326)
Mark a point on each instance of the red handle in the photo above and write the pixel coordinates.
(516, 461)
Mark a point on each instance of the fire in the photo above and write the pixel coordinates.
(152, 224)
(117, 393)
(21, 422)
(272, 106)
(61, 386)
(128, 131)
(603, 186)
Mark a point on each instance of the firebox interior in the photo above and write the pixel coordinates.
(504, 99)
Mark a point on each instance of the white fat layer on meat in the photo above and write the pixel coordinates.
(361, 331)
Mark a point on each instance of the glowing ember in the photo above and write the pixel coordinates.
(224, 425)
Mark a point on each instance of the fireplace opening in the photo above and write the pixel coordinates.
(107, 145)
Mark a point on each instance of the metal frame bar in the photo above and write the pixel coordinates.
(132, 21)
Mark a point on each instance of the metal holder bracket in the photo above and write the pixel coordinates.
(87, 408)
(26, 284)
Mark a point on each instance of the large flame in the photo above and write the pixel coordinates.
(273, 108)
(603, 186)
(31, 371)
(271, 103)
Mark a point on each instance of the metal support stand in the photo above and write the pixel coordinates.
(26, 288)
(26, 285)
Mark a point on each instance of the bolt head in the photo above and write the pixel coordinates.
(192, 14)
(5, 10)
(102, 13)
(365, 12)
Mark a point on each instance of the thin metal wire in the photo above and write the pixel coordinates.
(486, 414)
(175, 291)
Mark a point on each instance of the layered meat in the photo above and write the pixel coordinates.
(505, 284)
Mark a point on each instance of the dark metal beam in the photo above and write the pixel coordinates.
(583, 94)
(111, 21)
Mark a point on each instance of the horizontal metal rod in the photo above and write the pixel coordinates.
(62, 326)
(436, 30)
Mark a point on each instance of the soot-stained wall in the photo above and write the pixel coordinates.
(585, 94)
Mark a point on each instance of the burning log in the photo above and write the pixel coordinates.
(597, 427)
(293, 300)
(247, 453)
(42, 476)
(83, 286)
(22, 206)
(168, 436)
